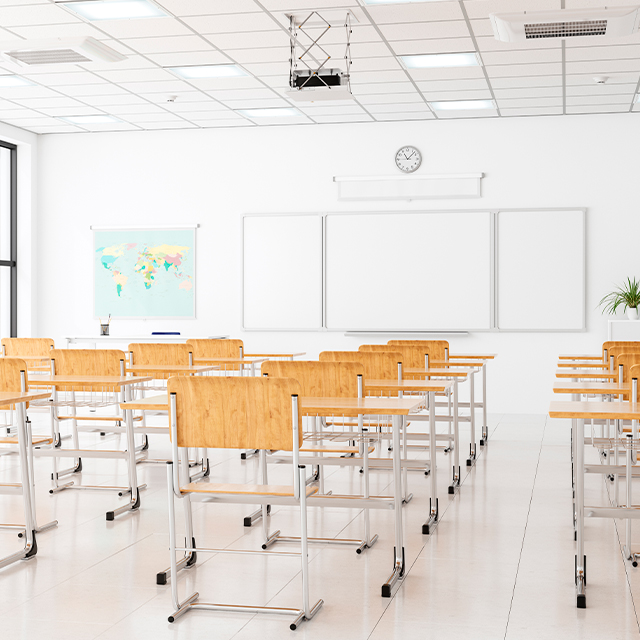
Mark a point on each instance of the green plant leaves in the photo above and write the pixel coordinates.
(626, 296)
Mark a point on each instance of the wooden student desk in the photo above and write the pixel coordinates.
(168, 369)
(582, 364)
(26, 486)
(578, 412)
(472, 356)
(587, 373)
(580, 357)
(116, 383)
(397, 408)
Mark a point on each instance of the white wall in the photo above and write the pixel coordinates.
(212, 177)
(27, 237)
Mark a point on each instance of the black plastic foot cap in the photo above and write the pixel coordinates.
(386, 591)
(243, 456)
(161, 578)
(171, 619)
(425, 529)
(634, 563)
(451, 490)
(481, 442)
(581, 602)
(110, 516)
(468, 463)
(247, 521)
(292, 626)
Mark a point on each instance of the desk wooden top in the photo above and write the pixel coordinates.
(16, 397)
(597, 388)
(456, 363)
(223, 360)
(168, 368)
(586, 373)
(407, 385)
(472, 356)
(589, 410)
(315, 406)
(568, 356)
(275, 355)
(105, 381)
(585, 364)
(451, 373)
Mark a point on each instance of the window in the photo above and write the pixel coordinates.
(8, 240)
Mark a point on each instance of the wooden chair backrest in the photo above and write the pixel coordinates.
(319, 379)
(235, 412)
(28, 346)
(634, 372)
(87, 362)
(436, 347)
(619, 343)
(617, 351)
(203, 348)
(627, 360)
(378, 365)
(10, 378)
(412, 355)
(160, 353)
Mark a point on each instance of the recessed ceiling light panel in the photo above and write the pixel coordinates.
(209, 71)
(440, 60)
(462, 105)
(276, 112)
(97, 119)
(14, 81)
(115, 9)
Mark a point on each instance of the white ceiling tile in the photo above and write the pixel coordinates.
(59, 128)
(243, 94)
(412, 107)
(231, 23)
(529, 102)
(282, 121)
(489, 43)
(218, 124)
(336, 119)
(181, 96)
(415, 12)
(167, 44)
(601, 89)
(129, 109)
(116, 126)
(420, 115)
(25, 122)
(467, 114)
(379, 88)
(136, 75)
(211, 85)
(373, 64)
(367, 77)
(232, 41)
(574, 54)
(604, 66)
(456, 73)
(72, 77)
(206, 7)
(144, 27)
(305, 5)
(72, 30)
(531, 111)
(529, 92)
(132, 61)
(201, 110)
(160, 126)
(526, 81)
(261, 55)
(37, 103)
(522, 56)
(71, 111)
(390, 98)
(79, 90)
(166, 86)
(435, 45)
(482, 28)
(478, 94)
(594, 100)
(18, 113)
(519, 70)
(362, 50)
(271, 68)
(603, 108)
(189, 58)
(425, 30)
(453, 85)
(482, 8)
(34, 14)
(263, 103)
(204, 116)
(112, 99)
(10, 93)
(160, 116)
(345, 109)
(612, 78)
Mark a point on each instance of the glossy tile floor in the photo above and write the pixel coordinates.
(499, 565)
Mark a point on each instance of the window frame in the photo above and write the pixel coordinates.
(12, 263)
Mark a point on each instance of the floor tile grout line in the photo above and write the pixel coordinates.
(524, 535)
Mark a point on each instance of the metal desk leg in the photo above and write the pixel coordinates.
(431, 523)
(456, 441)
(472, 409)
(580, 559)
(485, 428)
(398, 560)
(134, 502)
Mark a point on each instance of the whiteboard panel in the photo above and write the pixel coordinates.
(540, 270)
(282, 272)
(408, 271)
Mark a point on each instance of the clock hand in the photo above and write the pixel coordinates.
(405, 155)
(413, 153)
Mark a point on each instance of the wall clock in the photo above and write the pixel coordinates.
(408, 159)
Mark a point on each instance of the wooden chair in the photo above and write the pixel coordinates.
(378, 365)
(413, 356)
(13, 377)
(236, 413)
(160, 353)
(204, 348)
(606, 346)
(624, 362)
(438, 349)
(30, 348)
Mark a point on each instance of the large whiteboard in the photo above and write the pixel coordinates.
(408, 271)
(540, 270)
(282, 272)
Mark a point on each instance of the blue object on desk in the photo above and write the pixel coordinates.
(165, 333)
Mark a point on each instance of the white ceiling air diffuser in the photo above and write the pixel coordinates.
(583, 23)
(29, 53)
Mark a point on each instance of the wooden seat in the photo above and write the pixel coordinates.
(35, 440)
(244, 489)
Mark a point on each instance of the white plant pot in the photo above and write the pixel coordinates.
(632, 314)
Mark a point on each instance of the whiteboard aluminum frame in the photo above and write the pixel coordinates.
(362, 330)
(321, 217)
(583, 210)
(170, 227)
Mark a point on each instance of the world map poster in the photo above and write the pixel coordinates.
(144, 273)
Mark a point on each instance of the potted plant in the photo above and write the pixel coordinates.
(626, 296)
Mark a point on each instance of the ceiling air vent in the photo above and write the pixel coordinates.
(587, 23)
(58, 51)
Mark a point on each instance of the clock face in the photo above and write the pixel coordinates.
(408, 159)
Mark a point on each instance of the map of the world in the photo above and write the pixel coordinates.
(144, 273)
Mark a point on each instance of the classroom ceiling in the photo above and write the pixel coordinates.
(531, 79)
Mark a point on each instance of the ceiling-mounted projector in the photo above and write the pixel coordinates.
(578, 23)
(321, 85)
